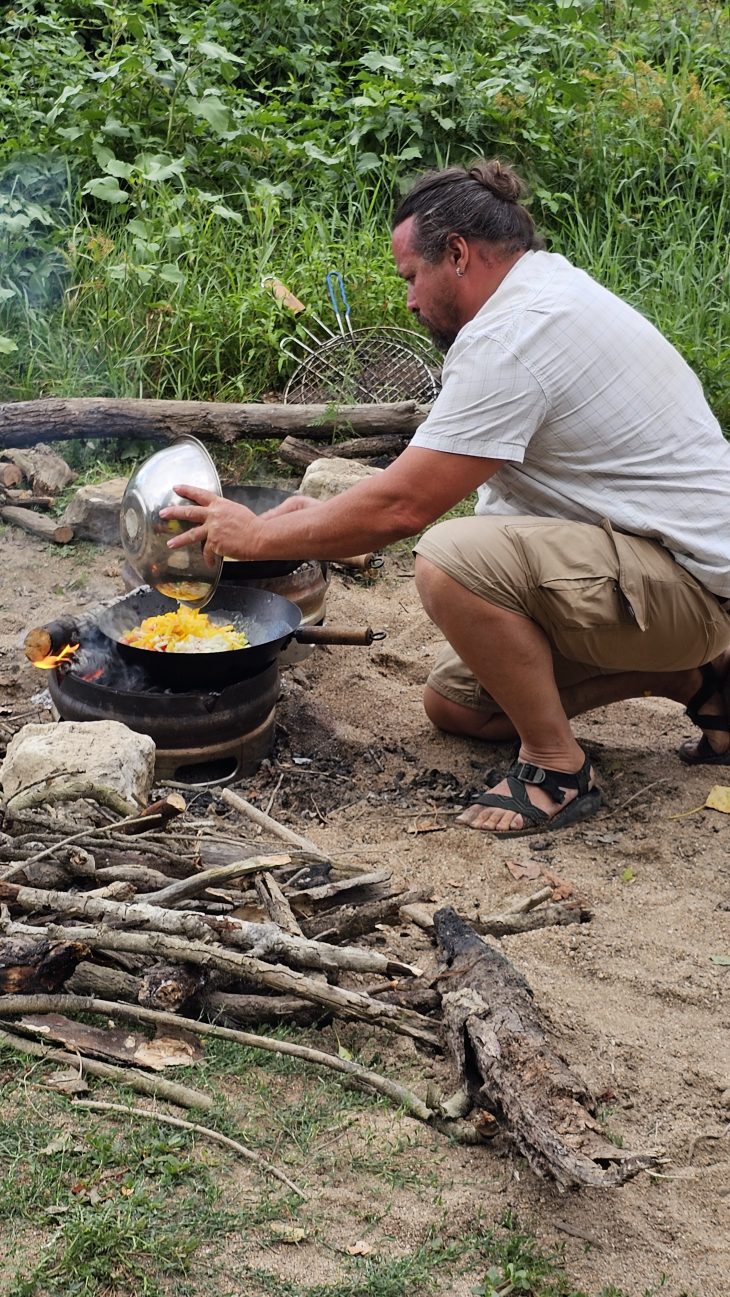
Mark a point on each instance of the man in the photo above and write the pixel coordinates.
(597, 565)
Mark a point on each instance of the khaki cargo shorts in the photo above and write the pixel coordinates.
(607, 601)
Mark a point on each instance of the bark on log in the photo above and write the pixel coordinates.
(169, 986)
(506, 1065)
(274, 1010)
(33, 963)
(276, 905)
(36, 524)
(23, 423)
(47, 473)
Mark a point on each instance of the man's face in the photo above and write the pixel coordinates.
(433, 287)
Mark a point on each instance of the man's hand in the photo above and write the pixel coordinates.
(224, 529)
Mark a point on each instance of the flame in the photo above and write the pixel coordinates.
(93, 675)
(53, 659)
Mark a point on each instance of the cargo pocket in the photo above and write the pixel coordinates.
(587, 587)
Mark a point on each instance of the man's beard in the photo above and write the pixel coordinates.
(441, 339)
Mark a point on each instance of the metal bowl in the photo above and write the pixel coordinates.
(180, 574)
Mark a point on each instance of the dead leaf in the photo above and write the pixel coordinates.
(425, 826)
(562, 889)
(56, 1146)
(718, 798)
(285, 1232)
(722, 960)
(67, 1081)
(531, 869)
(361, 1248)
(452, 882)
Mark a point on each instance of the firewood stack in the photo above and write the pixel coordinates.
(165, 919)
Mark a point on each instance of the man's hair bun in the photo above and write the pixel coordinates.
(499, 179)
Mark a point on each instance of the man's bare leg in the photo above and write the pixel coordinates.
(521, 680)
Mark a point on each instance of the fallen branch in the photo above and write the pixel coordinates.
(37, 524)
(98, 1106)
(507, 1066)
(365, 1079)
(280, 831)
(197, 883)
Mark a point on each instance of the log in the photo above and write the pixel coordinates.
(23, 423)
(169, 986)
(352, 921)
(10, 475)
(276, 905)
(47, 473)
(157, 815)
(35, 963)
(26, 498)
(274, 1010)
(300, 454)
(507, 1066)
(105, 983)
(37, 524)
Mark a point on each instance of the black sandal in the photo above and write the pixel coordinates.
(555, 783)
(704, 754)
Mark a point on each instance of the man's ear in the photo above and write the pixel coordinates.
(457, 253)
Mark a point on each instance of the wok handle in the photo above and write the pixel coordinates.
(337, 635)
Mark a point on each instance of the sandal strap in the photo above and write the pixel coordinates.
(555, 782)
(518, 802)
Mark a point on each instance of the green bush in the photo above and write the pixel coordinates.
(159, 159)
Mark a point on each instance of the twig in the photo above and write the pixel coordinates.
(272, 798)
(640, 793)
(278, 830)
(74, 837)
(214, 1135)
(358, 1075)
(156, 1086)
(197, 883)
(526, 903)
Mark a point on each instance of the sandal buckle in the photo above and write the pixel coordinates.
(529, 774)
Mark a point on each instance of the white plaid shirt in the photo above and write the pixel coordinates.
(596, 414)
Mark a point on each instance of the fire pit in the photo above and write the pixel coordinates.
(202, 737)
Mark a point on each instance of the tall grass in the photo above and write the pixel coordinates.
(160, 160)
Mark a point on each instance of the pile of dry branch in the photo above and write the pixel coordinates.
(188, 924)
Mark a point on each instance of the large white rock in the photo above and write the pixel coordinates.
(328, 477)
(105, 753)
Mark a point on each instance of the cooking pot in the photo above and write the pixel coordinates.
(269, 622)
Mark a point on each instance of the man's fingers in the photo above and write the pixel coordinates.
(195, 535)
(197, 493)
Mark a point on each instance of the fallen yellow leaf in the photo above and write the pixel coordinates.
(718, 798)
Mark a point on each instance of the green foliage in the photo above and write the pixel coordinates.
(158, 159)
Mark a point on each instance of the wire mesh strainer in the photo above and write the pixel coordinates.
(356, 366)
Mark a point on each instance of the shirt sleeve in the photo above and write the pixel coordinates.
(489, 406)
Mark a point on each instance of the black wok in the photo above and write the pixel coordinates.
(269, 622)
(259, 499)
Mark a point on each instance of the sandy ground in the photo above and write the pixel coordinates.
(635, 1000)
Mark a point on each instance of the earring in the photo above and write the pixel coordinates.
(460, 272)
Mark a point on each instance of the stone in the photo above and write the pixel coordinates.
(326, 478)
(105, 753)
(94, 511)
